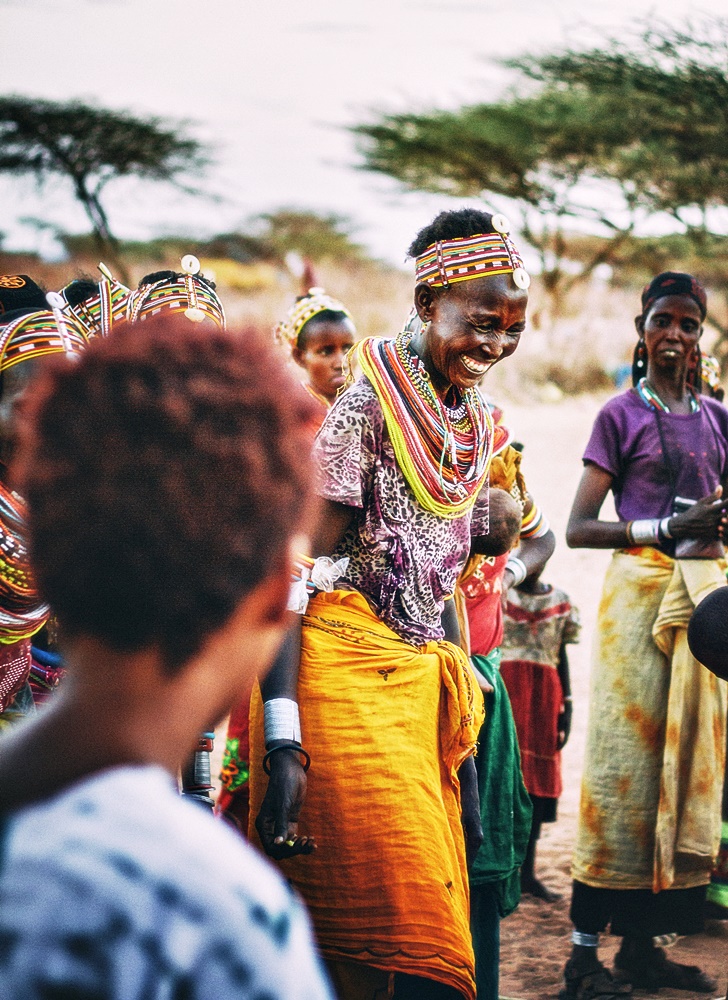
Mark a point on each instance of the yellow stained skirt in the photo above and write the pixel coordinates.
(651, 791)
(387, 725)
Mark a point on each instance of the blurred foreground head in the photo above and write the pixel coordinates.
(166, 472)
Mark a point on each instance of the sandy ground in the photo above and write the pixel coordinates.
(535, 939)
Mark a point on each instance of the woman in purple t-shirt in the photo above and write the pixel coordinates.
(649, 821)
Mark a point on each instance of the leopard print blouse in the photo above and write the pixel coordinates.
(404, 559)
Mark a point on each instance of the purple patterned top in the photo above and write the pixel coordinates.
(404, 559)
(625, 441)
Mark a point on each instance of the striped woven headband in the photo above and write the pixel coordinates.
(98, 313)
(315, 301)
(448, 261)
(187, 292)
(37, 334)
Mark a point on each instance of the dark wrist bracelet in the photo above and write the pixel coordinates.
(296, 747)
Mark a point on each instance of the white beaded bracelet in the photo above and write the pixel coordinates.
(282, 720)
(518, 569)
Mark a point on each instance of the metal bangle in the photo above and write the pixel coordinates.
(518, 568)
(287, 746)
(665, 528)
(646, 532)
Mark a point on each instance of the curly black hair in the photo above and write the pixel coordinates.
(454, 225)
(165, 472)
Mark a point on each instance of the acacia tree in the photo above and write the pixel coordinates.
(611, 136)
(91, 146)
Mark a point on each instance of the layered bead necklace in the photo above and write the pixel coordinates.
(444, 452)
(650, 398)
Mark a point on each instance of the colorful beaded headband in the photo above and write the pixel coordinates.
(187, 292)
(98, 313)
(314, 302)
(37, 334)
(449, 261)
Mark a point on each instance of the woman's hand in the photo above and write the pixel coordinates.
(277, 821)
(563, 725)
(705, 519)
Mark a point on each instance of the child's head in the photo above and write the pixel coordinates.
(319, 332)
(166, 472)
(323, 344)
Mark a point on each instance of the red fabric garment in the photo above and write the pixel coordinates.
(482, 591)
(535, 693)
(536, 626)
(15, 663)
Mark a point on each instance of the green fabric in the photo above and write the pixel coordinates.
(505, 806)
(718, 888)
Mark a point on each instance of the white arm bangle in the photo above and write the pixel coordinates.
(282, 721)
(665, 528)
(646, 532)
(518, 569)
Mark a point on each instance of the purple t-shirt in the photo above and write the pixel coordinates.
(403, 558)
(625, 441)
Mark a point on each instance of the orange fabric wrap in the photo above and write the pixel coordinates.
(387, 725)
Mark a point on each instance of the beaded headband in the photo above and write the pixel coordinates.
(37, 334)
(188, 292)
(449, 261)
(98, 313)
(315, 301)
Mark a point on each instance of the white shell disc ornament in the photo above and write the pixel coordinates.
(521, 278)
(500, 223)
(195, 315)
(190, 264)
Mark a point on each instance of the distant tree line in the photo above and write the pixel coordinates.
(612, 136)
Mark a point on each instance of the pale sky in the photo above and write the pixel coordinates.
(271, 85)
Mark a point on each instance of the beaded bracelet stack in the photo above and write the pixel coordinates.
(652, 531)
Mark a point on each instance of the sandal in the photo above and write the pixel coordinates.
(658, 971)
(597, 982)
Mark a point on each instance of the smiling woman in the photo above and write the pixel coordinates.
(389, 708)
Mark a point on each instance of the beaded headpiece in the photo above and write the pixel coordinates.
(189, 292)
(97, 313)
(315, 301)
(19, 291)
(39, 333)
(448, 261)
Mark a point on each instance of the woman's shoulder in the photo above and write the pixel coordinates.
(627, 402)
(716, 410)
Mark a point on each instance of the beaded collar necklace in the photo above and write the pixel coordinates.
(650, 398)
(444, 453)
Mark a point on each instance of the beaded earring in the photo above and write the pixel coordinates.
(639, 361)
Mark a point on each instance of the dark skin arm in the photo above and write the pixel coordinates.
(564, 720)
(468, 776)
(277, 821)
(535, 553)
(705, 519)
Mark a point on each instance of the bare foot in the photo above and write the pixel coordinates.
(533, 887)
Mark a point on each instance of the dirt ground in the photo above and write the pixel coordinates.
(536, 938)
